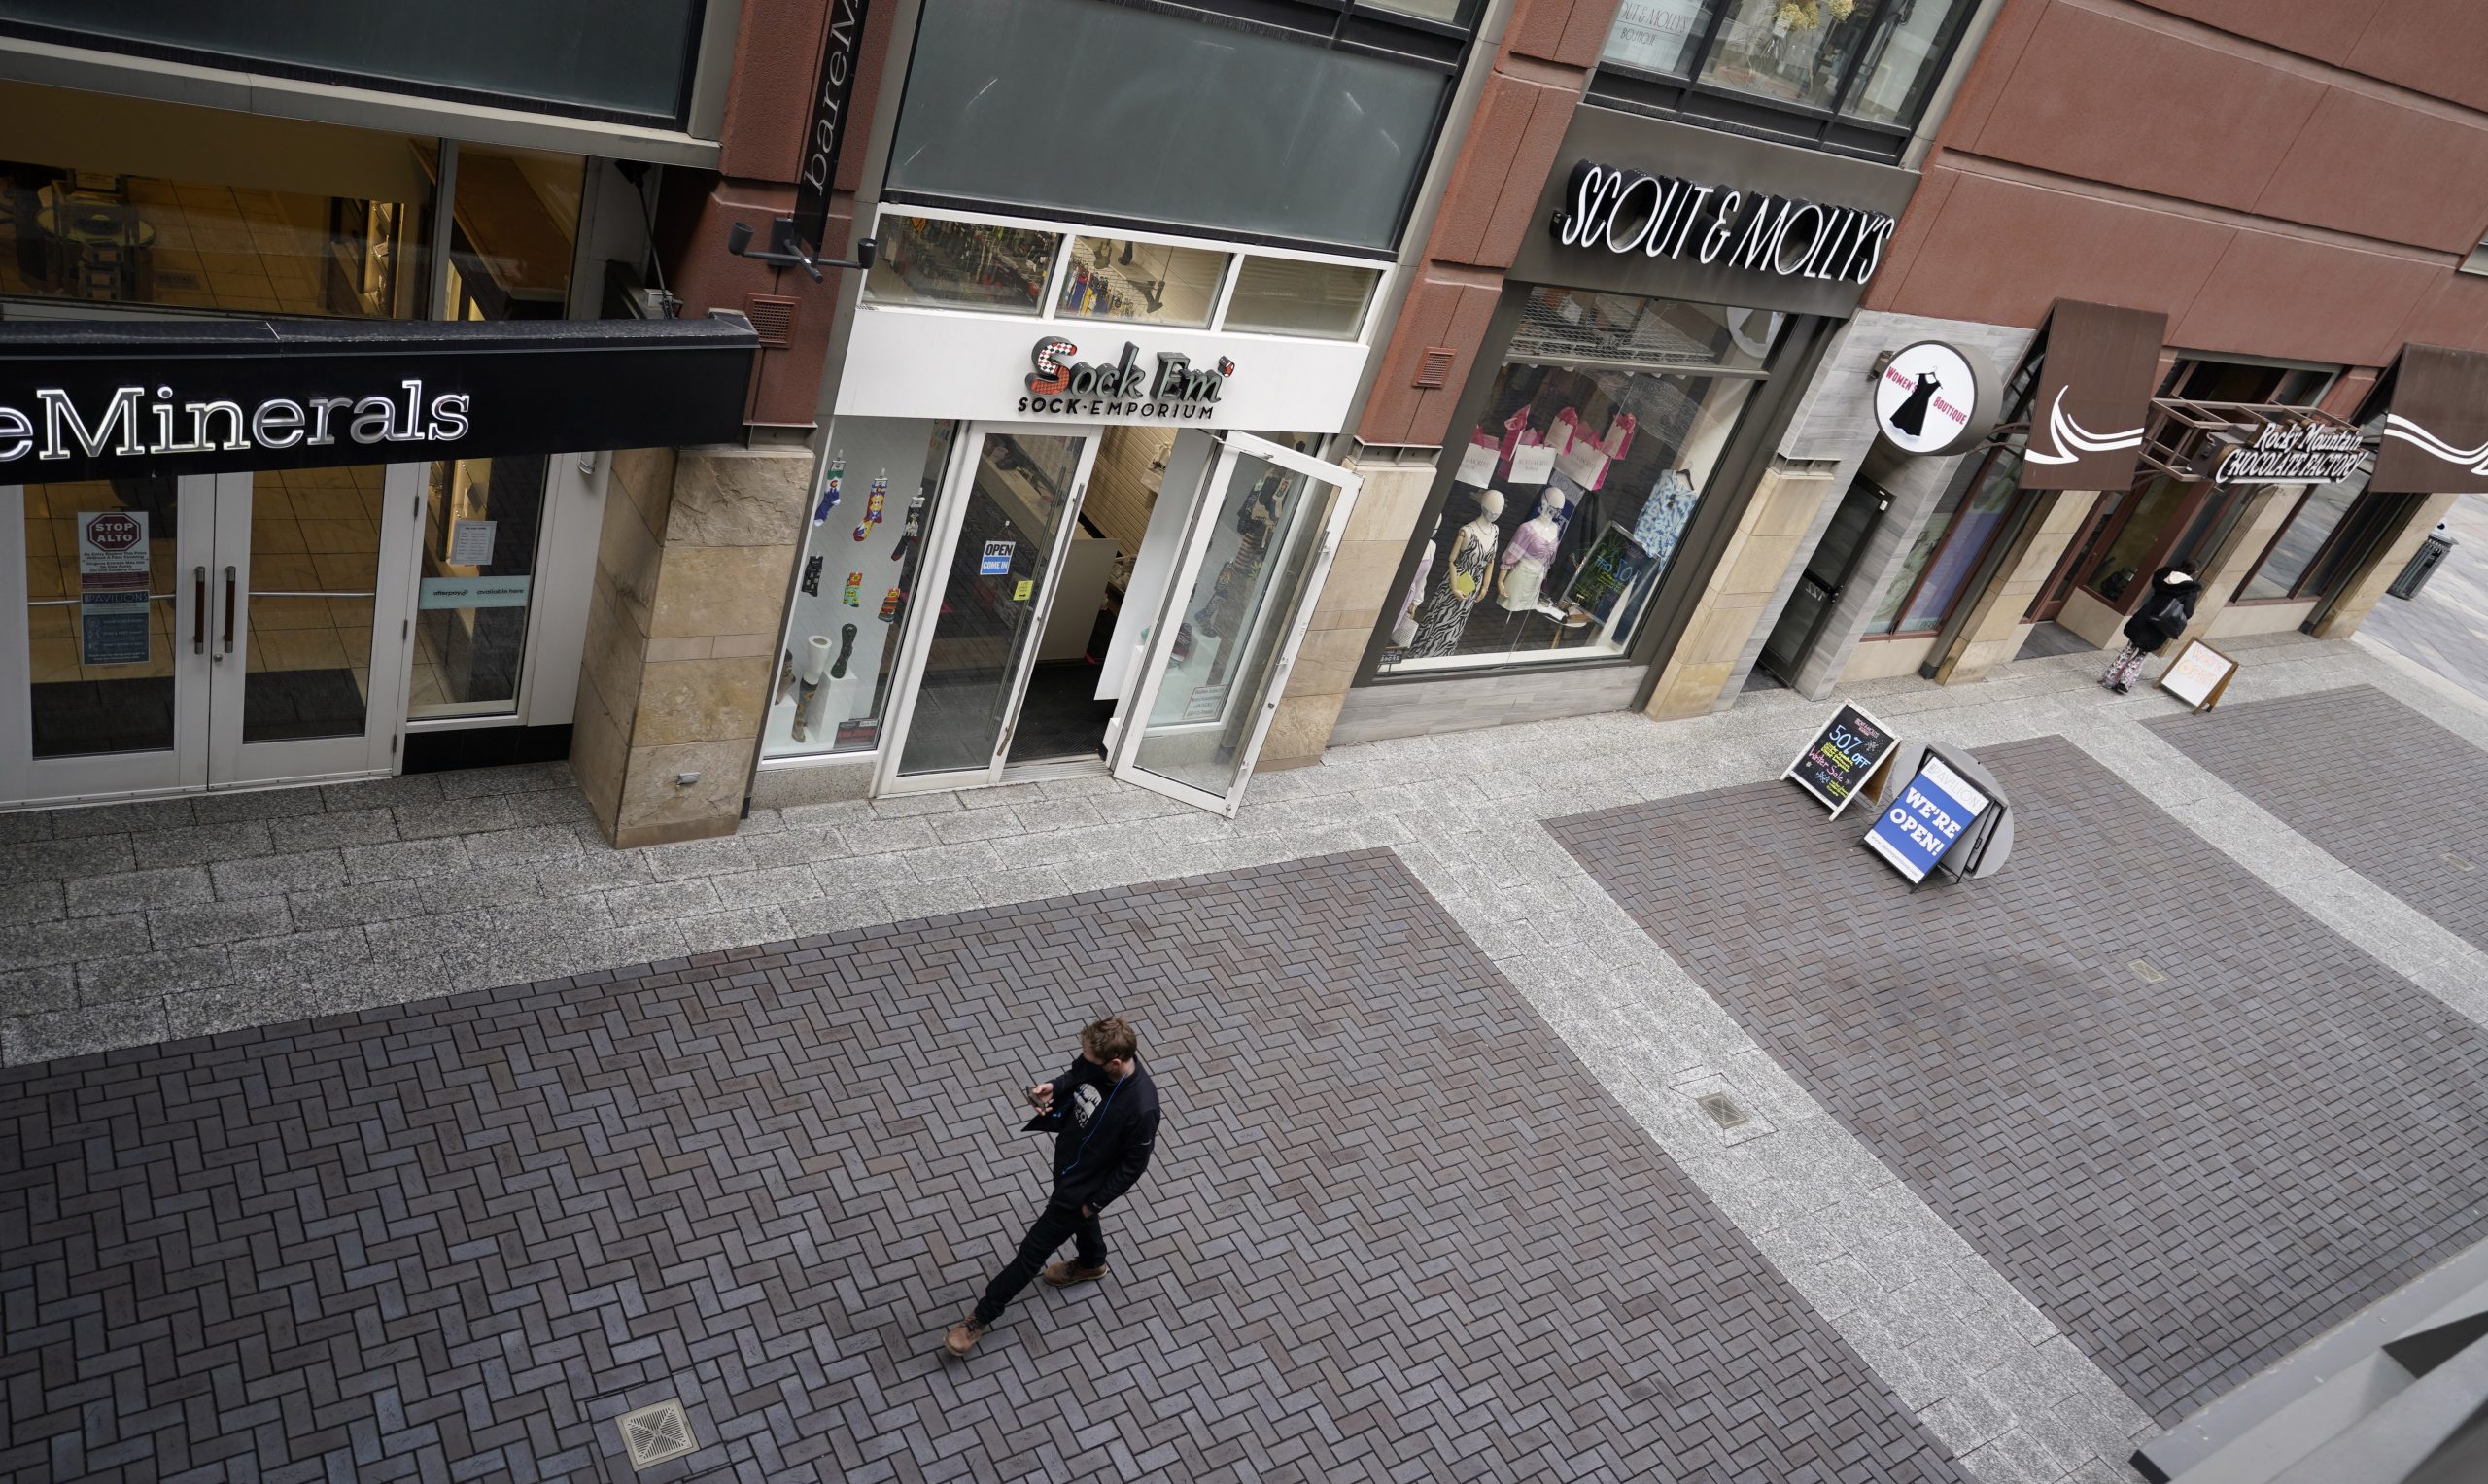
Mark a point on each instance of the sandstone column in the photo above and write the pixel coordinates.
(682, 636)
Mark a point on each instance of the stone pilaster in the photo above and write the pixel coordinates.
(2365, 586)
(682, 633)
(1748, 573)
(1994, 631)
(1346, 609)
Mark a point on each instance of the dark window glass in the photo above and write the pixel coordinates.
(1076, 106)
(599, 57)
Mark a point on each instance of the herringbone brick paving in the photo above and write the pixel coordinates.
(1393, 1230)
(2386, 791)
(2192, 1174)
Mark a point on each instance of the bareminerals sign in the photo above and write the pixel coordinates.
(100, 401)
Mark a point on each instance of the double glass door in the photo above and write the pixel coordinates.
(204, 631)
(1222, 629)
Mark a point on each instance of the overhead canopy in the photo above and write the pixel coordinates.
(2093, 397)
(97, 400)
(2436, 434)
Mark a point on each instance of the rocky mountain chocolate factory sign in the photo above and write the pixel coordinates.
(2292, 453)
(1662, 217)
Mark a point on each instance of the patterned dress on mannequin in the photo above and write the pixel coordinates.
(1443, 617)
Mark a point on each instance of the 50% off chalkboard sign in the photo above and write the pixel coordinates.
(1844, 759)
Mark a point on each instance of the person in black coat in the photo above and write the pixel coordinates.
(1103, 1115)
(2160, 616)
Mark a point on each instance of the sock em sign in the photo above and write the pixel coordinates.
(1626, 212)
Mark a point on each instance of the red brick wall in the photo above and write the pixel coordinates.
(768, 108)
(1535, 81)
(2294, 180)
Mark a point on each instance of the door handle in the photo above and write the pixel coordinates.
(229, 612)
(199, 610)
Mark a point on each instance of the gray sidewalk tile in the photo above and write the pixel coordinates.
(133, 890)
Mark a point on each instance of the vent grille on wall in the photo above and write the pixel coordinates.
(773, 318)
(1434, 367)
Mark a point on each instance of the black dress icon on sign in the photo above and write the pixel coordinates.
(1910, 417)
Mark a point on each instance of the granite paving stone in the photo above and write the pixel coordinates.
(2191, 1174)
(454, 1238)
(262, 876)
(131, 890)
(332, 829)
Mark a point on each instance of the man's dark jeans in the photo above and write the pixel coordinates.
(1054, 1226)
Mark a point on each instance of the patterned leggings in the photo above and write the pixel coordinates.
(2126, 667)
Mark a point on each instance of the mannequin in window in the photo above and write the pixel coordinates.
(1526, 555)
(1404, 629)
(1442, 617)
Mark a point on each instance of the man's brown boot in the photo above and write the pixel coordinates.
(1060, 1273)
(963, 1335)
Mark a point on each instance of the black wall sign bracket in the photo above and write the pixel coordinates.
(786, 249)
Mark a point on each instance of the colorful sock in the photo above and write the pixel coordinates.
(855, 587)
(889, 605)
(829, 495)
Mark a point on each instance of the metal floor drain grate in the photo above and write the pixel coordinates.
(652, 1434)
(1722, 1108)
(2145, 971)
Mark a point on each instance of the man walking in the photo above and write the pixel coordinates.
(1104, 1116)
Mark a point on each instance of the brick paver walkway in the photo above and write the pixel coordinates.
(2389, 793)
(1394, 1230)
(2191, 1124)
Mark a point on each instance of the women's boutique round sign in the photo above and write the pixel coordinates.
(1930, 399)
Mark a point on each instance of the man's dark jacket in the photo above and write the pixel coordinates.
(1104, 1132)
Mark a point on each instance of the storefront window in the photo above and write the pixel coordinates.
(1658, 35)
(862, 561)
(1568, 500)
(1923, 590)
(1903, 59)
(1229, 131)
(1795, 50)
(1288, 296)
(628, 59)
(122, 201)
(1872, 61)
(2114, 574)
(514, 230)
(1115, 278)
(962, 265)
(480, 522)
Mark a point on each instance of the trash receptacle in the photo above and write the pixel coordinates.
(2424, 563)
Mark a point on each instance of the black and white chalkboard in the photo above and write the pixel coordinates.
(1842, 758)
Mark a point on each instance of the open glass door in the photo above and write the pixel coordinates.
(1011, 503)
(1237, 607)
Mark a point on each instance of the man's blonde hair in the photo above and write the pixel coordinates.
(1110, 1039)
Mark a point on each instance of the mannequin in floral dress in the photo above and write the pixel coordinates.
(1527, 554)
(1442, 618)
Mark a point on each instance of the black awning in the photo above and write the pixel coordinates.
(92, 400)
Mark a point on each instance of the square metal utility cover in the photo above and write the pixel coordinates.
(1722, 1108)
(652, 1434)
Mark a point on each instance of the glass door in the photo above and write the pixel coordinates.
(997, 553)
(103, 649)
(1825, 577)
(310, 589)
(1237, 606)
(165, 634)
